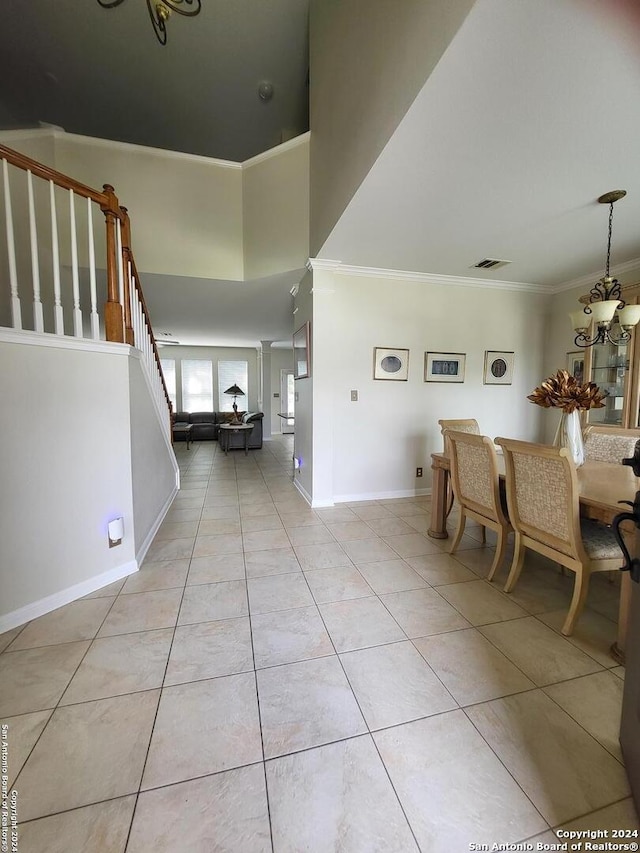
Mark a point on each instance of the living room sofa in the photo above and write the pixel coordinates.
(205, 427)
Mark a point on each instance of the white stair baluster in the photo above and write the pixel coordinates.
(58, 313)
(38, 317)
(77, 313)
(16, 314)
(95, 320)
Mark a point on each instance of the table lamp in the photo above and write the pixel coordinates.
(236, 392)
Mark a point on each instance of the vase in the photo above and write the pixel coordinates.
(569, 435)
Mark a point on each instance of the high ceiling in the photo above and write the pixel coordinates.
(101, 72)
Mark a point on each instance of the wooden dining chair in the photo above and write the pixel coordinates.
(543, 504)
(604, 443)
(459, 425)
(476, 485)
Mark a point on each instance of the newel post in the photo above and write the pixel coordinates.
(113, 319)
(126, 263)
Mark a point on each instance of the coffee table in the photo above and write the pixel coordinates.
(225, 431)
(183, 429)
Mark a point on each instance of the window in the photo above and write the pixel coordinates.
(197, 385)
(232, 373)
(169, 372)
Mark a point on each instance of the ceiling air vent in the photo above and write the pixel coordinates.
(489, 264)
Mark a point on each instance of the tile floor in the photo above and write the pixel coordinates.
(277, 678)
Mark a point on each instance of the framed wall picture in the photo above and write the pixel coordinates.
(301, 352)
(575, 365)
(498, 367)
(444, 366)
(391, 364)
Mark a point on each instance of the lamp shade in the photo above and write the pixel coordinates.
(602, 312)
(579, 320)
(237, 392)
(629, 315)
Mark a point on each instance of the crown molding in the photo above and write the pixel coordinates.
(338, 268)
(296, 142)
(590, 279)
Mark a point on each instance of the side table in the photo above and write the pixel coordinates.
(225, 431)
(183, 429)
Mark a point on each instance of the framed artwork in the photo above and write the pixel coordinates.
(301, 367)
(498, 367)
(444, 366)
(391, 364)
(575, 365)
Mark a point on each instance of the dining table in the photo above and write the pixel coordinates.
(602, 486)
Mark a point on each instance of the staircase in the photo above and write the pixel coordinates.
(85, 420)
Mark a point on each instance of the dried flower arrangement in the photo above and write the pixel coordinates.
(565, 392)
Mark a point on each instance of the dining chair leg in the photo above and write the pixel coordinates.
(484, 536)
(580, 590)
(501, 546)
(519, 552)
(450, 499)
(458, 536)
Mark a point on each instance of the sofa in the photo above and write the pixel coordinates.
(205, 427)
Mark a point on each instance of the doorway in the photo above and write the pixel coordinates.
(287, 401)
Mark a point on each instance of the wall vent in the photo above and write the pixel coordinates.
(489, 264)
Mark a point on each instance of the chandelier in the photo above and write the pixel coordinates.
(605, 300)
(160, 12)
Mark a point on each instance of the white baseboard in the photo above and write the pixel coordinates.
(382, 496)
(65, 596)
(142, 550)
(305, 494)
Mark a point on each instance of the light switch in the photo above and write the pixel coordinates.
(354, 396)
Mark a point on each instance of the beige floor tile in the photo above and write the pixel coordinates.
(265, 540)
(393, 684)
(336, 797)
(347, 530)
(594, 701)
(621, 815)
(213, 513)
(152, 576)
(117, 665)
(337, 584)
(218, 526)
(176, 530)
(336, 515)
(108, 591)
(35, 679)
(278, 561)
(544, 656)
(315, 534)
(250, 509)
(227, 813)
(180, 515)
(293, 520)
(593, 633)
(20, 736)
(360, 622)
(264, 522)
(79, 620)
(479, 603)
(213, 569)
(470, 667)
(187, 503)
(210, 649)
(371, 513)
(412, 545)
(390, 526)
(218, 488)
(368, 550)
(420, 523)
(440, 569)
(192, 493)
(404, 508)
(225, 543)
(142, 611)
(202, 728)
(278, 592)
(306, 704)
(390, 576)
(561, 768)
(323, 556)
(542, 591)
(618, 671)
(104, 745)
(287, 636)
(172, 549)
(9, 636)
(101, 827)
(423, 761)
(478, 561)
(213, 601)
(421, 612)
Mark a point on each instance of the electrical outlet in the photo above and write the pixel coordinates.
(354, 396)
(418, 472)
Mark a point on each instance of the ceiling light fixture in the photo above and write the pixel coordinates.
(160, 12)
(605, 298)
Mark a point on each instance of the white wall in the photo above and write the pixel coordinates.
(303, 436)
(372, 447)
(215, 354)
(65, 458)
(281, 359)
(275, 204)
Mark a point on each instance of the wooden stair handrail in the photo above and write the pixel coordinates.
(21, 161)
